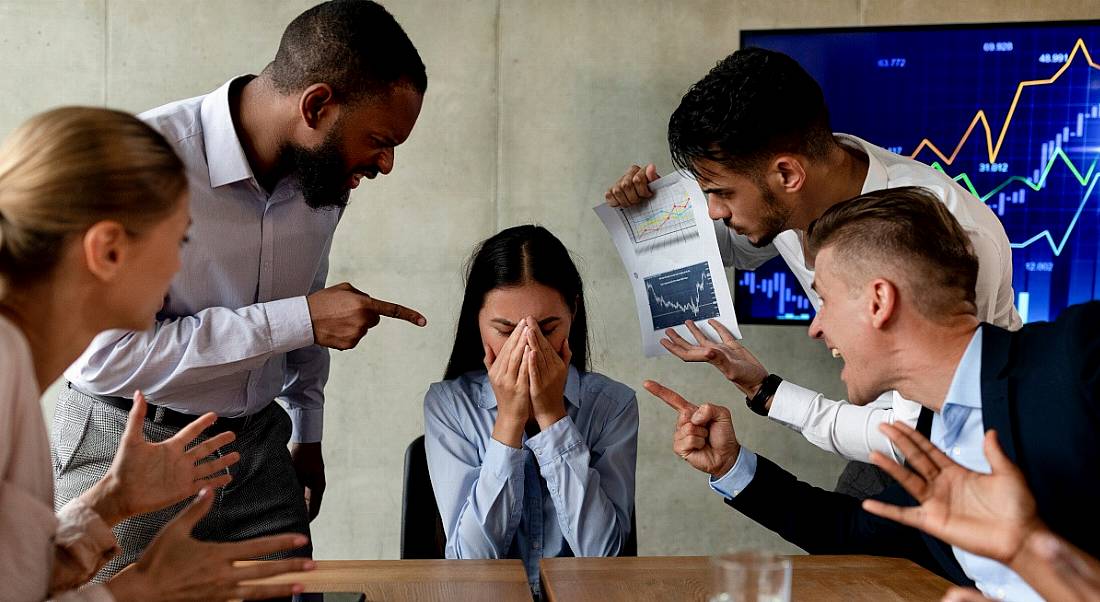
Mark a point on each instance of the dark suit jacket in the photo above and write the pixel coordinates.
(1040, 391)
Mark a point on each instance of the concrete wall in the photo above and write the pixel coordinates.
(533, 108)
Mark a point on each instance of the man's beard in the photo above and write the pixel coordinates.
(773, 222)
(320, 172)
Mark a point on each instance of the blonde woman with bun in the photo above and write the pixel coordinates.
(93, 211)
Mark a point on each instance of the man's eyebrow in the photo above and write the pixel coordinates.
(504, 322)
(716, 190)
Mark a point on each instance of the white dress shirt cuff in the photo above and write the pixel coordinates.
(555, 441)
(290, 324)
(791, 405)
(503, 461)
(307, 424)
(731, 484)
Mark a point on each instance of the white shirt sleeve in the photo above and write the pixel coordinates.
(181, 352)
(306, 374)
(846, 429)
(995, 297)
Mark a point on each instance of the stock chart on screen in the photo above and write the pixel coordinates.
(1010, 111)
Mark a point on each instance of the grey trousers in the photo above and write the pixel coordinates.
(264, 497)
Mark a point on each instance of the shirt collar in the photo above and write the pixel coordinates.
(225, 156)
(877, 178)
(488, 398)
(966, 385)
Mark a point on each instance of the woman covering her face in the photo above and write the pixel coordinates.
(530, 454)
(93, 211)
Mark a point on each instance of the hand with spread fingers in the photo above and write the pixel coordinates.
(547, 371)
(992, 515)
(732, 359)
(704, 434)
(987, 514)
(148, 475)
(633, 187)
(511, 381)
(178, 568)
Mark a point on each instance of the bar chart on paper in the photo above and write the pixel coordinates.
(680, 295)
(1011, 112)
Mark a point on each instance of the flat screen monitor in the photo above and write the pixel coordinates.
(1010, 111)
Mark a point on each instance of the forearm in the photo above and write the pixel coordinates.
(181, 352)
(820, 521)
(489, 515)
(1045, 558)
(837, 426)
(592, 522)
(84, 541)
(90, 593)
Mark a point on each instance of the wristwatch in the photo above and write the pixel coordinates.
(767, 388)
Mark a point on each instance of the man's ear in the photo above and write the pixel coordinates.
(883, 301)
(105, 245)
(317, 105)
(789, 173)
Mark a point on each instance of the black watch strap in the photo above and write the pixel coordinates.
(767, 388)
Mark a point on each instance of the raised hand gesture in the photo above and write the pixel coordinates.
(729, 356)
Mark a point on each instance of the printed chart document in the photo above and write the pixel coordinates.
(670, 252)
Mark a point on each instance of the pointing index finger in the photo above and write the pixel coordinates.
(672, 398)
(393, 310)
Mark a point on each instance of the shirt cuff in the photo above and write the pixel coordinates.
(791, 405)
(290, 324)
(503, 461)
(307, 424)
(731, 484)
(555, 441)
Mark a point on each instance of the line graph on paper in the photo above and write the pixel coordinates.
(680, 295)
(1009, 111)
(662, 223)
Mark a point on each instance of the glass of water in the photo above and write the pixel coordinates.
(750, 577)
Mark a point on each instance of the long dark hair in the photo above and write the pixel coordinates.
(513, 257)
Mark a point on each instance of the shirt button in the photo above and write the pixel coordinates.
(1000, 593)
(955, 451)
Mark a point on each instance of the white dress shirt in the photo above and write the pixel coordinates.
(838, 426)
(235, 331)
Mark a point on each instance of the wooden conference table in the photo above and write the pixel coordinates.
(652, 578)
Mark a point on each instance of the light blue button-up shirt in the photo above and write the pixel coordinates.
(568, 491)
(958, 430)
(235, 331)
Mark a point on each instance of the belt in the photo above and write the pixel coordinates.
(165, 416)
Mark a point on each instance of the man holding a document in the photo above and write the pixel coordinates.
(755, 133)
